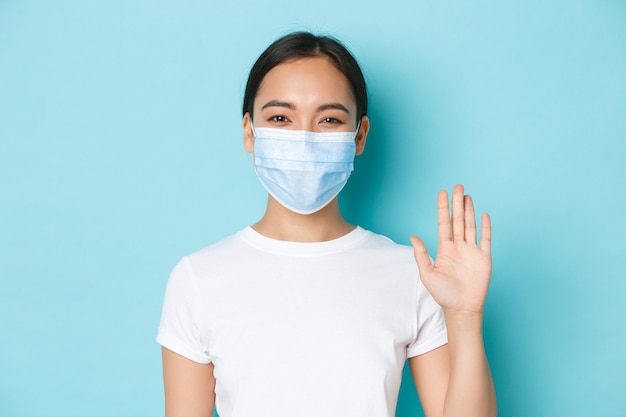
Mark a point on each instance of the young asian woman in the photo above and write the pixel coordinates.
(304, 314)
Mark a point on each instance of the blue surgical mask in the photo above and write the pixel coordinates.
(303, 170)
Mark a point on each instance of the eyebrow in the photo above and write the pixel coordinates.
(278, 103)
(336, 106)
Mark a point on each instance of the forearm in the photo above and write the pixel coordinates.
(470, 388)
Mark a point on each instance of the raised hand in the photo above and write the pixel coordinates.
(459, 278)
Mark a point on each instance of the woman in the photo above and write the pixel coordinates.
(304, 314)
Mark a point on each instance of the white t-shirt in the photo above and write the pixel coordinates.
(301, 329)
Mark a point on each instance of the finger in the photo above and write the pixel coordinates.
(485, 234)
(421, 256)
(458, 214)
(470, 220)
(443, 213)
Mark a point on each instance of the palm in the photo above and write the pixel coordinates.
(459, 278)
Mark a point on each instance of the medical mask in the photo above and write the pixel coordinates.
(303, 170)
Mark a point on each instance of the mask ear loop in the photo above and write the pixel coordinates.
(356, 132)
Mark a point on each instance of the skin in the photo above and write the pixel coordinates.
(452, 380)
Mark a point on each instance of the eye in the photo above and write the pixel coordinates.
(280, 119)
(331, 120)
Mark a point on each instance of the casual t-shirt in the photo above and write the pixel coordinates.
(301, 329)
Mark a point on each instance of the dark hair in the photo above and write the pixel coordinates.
(306, 45)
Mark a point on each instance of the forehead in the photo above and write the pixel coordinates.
(306, 79)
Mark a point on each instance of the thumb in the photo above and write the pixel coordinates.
(421, 256)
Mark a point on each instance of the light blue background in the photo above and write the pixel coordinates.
(120, 151)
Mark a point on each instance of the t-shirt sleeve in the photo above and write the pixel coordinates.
(431, 326)
(179, 330)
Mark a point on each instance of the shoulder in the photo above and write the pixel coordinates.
(398, 258)
(221, 253)
(376, 241)
(381, 253)
(220, 248)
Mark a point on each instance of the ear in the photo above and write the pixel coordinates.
(248, 137)
(361, 135)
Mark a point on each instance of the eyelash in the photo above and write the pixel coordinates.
(283, 119)
(278, 119)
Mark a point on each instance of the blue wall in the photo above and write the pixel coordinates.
(120, 151)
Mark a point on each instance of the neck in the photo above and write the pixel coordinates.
(282, 224)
